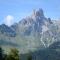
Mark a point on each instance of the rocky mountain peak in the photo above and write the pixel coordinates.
(38, 13)
(37, 22)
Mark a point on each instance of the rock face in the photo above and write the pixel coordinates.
(4, 29)
(32, 33)
(38, 13)
(35, 23)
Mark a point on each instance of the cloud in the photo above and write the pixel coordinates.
(9, 20)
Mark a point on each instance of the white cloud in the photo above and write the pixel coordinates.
(9, 20)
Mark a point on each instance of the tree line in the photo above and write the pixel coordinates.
(12, 55)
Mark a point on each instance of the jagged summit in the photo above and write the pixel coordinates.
(37, 22)
(34, 24)
(38, 12)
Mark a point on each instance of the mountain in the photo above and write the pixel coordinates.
(4, 29)
(37, 22)
(32, 33)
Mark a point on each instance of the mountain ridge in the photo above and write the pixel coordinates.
(33, 32)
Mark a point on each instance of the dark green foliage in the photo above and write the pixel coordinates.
(1, 54)
(29, 56)
(13, 55)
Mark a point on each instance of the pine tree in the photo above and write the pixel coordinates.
(13, 55)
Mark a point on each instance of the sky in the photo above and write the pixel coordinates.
(12, 11)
